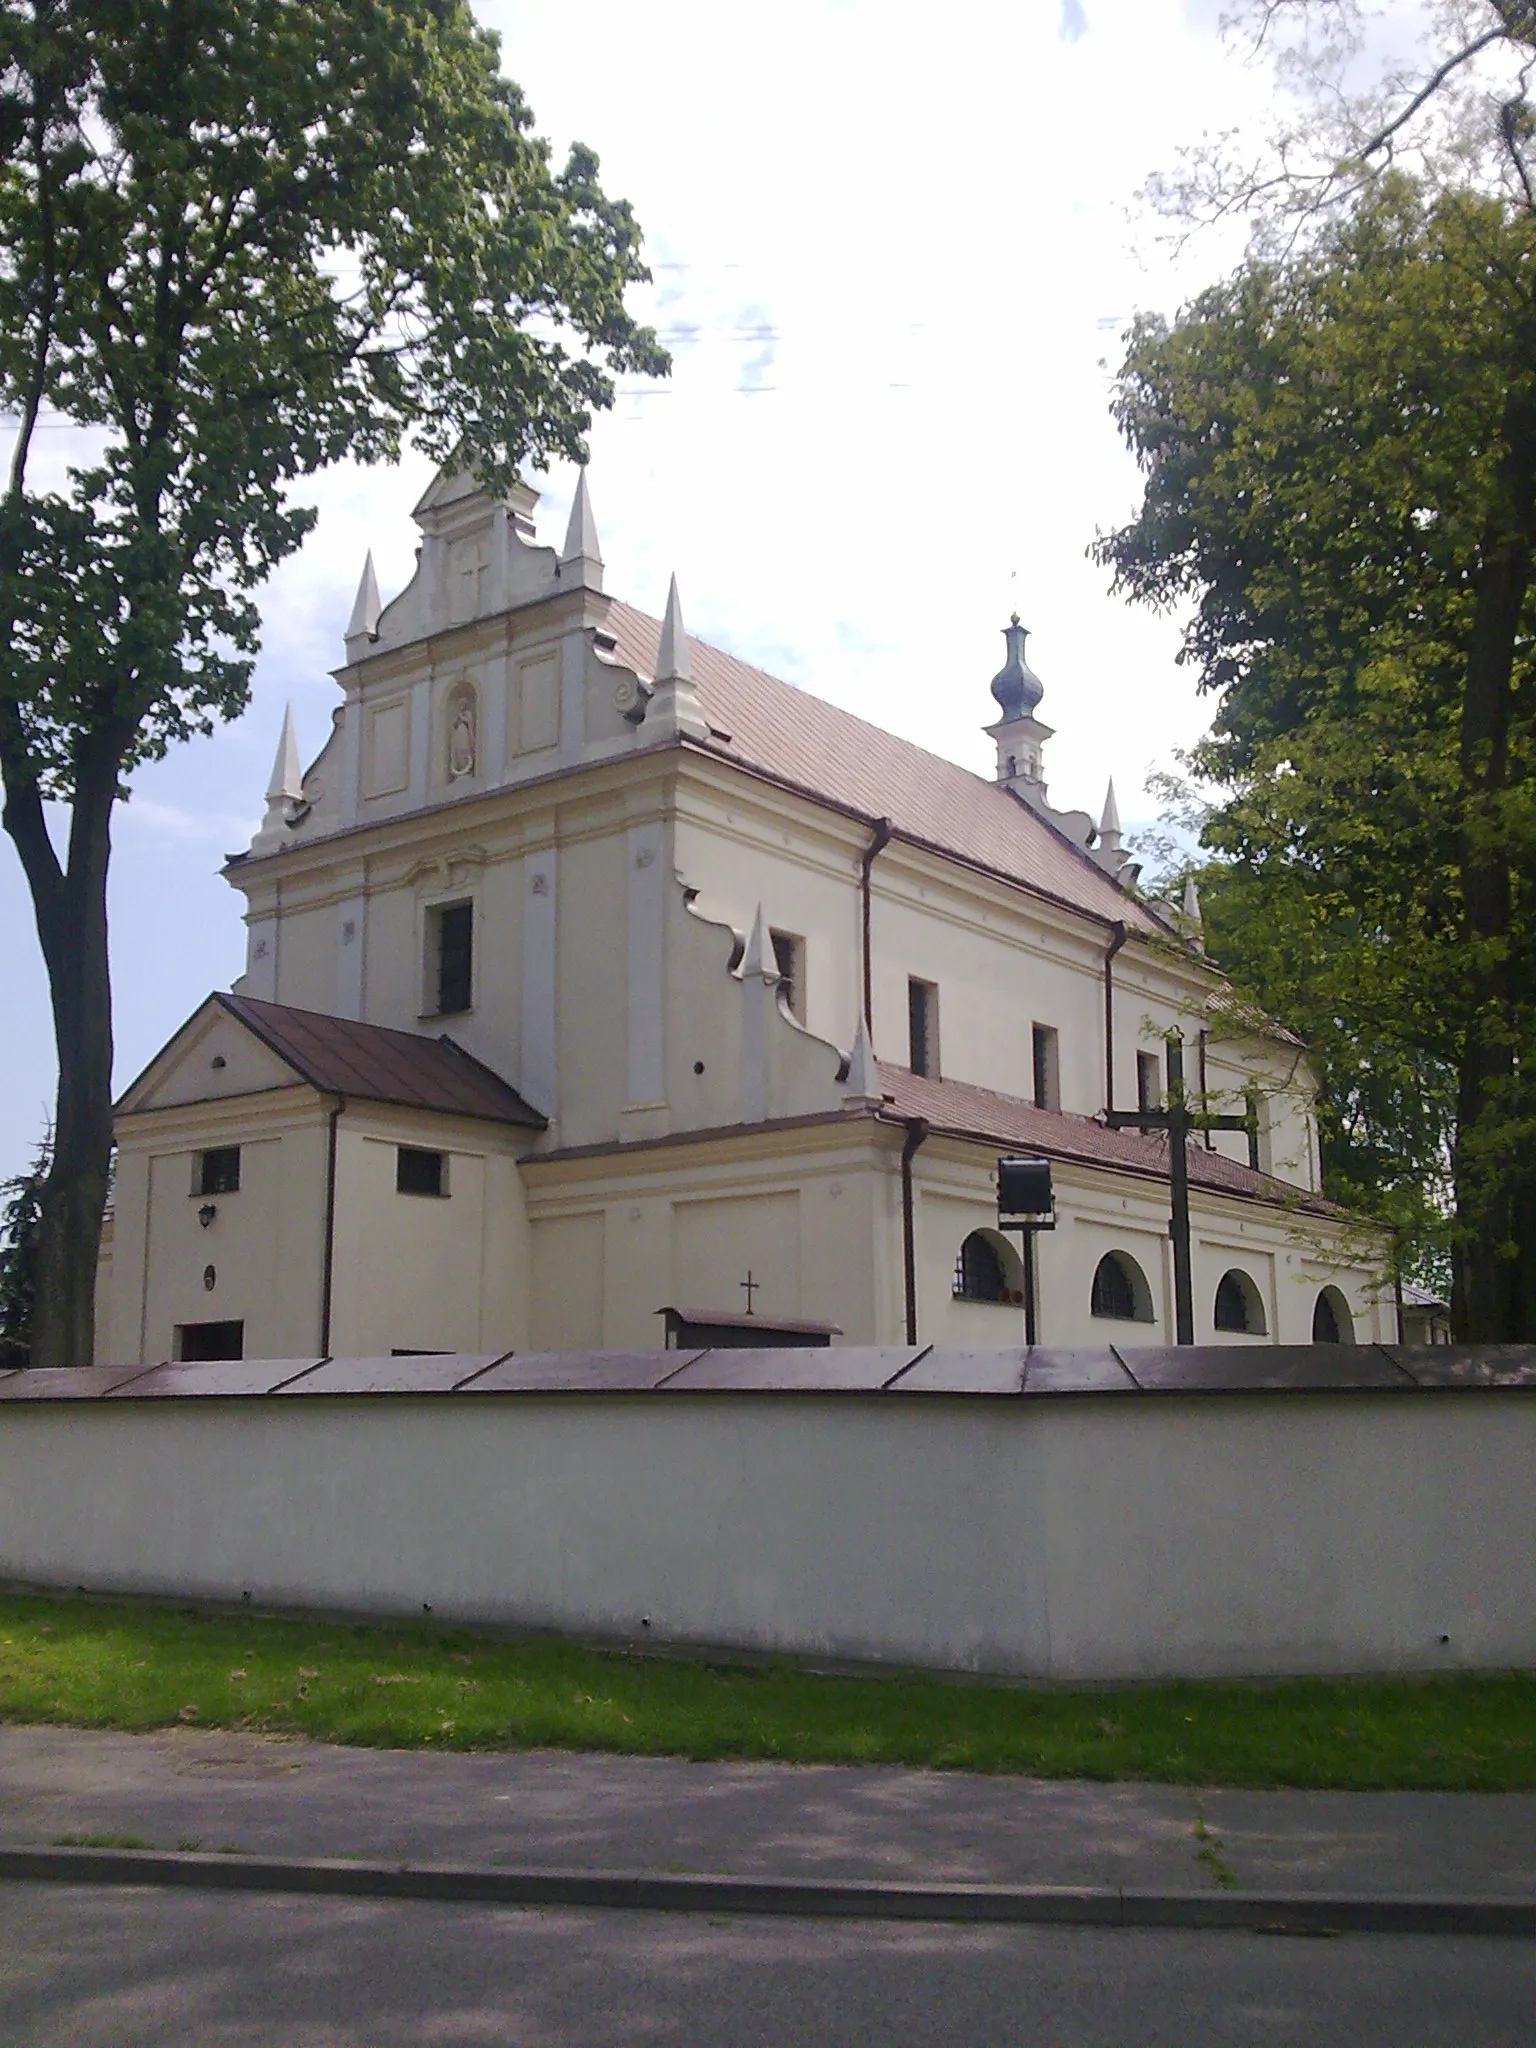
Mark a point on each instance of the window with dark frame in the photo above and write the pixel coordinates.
(979, 1272)
(1149, 1081)
(418, 1172)
(455, 935)
(789, 958)
(1237, 1305)
(923, 1027)
(1114, 1291)
(218, 1171)
(200, 1343)
(1047, 1067)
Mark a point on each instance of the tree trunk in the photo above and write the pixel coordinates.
(1490, 1301)
(70, 907)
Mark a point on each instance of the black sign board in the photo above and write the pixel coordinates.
(1023, 1190)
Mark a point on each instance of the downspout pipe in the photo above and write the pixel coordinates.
(917, 1131)
(1117, 938)
(871, 853)
(337, 1107)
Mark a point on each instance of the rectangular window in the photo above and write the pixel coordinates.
(789, 958)
(197, 1342)
(218, 1171)
(420, 1173)
(450, 966)
(1047, 1067)
(923, 1027)
(1149, 1081)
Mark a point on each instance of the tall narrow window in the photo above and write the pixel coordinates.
(789, 958)
(1047, 1068)
(1149, 1081)
(923, 1026)
(452, 933)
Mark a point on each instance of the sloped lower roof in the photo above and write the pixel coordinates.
(964, 1110)
(370, 1063)
(798, 738)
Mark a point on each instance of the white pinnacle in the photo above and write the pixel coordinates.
(862, 1080)
(581, 534)
(366, 609)
(754, 958)
(1191, 904)
(287, 775)
(1109, 824)
(672, 660)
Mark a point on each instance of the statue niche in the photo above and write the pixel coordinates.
(463, 732)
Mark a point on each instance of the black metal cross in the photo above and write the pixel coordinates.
(1178, 1120)
(751, 1286)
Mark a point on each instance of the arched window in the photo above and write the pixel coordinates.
(1332, 1322)
(1238, 1305)
(984, 1270)
(1120, 1290)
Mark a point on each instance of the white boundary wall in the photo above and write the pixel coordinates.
(1064, 1539)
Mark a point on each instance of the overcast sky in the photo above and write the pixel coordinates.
(894, 254)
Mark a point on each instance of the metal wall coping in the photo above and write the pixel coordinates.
(849, 1369)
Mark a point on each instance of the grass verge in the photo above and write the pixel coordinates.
(104, 1664)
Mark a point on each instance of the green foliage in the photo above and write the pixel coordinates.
(103, 1664)
(20, 1219)
(1322, 440)
(242, 239)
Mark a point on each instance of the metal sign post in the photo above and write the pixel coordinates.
(1025, 1203)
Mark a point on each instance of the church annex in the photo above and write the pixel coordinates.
(593, 974)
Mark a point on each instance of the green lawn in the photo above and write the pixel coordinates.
(102, 1664)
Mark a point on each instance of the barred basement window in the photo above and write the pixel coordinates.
(194, 1343)
(1238, 1305)
(980, 1274)
(1120, 1290)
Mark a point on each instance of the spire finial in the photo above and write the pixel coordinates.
(366, 608)
(287, 782)
(1109, 824)
(860, 1076)
(1015, 686)
(672, 660)
(581, 534)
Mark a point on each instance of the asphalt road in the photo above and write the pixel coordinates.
(127, 1968)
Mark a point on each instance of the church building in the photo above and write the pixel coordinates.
(603, 991)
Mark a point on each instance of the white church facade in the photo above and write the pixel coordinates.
(592, 973)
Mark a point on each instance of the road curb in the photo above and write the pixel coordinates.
(832, 1898)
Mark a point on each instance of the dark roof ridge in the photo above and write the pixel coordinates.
(407, 1069)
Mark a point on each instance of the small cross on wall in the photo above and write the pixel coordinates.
(751, 1286)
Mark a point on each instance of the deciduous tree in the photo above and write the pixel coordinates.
(1339, 450)
(239, 240)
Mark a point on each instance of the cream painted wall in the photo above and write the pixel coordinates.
(264, 1245)
(567, 1254)
(1285, 1258)
(422, 1272)
(671, 1225)
(1121, 1537)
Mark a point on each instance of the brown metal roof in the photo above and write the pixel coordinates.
(797, 738)
(964, 1110)
(370, 1063)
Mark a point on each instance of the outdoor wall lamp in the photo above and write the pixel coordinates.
(206, 1214)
